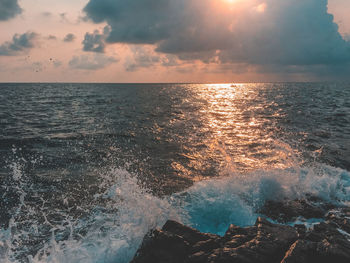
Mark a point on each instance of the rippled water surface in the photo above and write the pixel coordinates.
(87, 169)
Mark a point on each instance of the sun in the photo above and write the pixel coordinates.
(231, 2)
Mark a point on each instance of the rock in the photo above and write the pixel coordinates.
(322, 244)
(191, 235)
(287, 211)
(340, 217)
(162, 246)
(174, 243)
(302, 251)
(264, 242)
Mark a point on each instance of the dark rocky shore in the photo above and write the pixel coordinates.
(265, 242)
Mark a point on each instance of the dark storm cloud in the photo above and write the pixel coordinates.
(9, 9)
(270, 32)
(303, 34)
(93, 62)
(139, 21)
(69, 37)
(95, 42)
(19, 44)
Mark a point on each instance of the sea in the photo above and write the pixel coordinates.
(86, 170)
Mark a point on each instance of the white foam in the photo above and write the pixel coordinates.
(115, 231)
(115, 237)
(214, 204)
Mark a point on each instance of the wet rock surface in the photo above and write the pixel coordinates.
(289, 210)
(265, 242)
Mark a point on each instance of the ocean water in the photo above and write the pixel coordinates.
(87, 169)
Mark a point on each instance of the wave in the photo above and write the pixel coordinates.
(112, 232)
(213, 205)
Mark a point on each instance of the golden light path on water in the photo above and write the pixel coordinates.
(239, 128)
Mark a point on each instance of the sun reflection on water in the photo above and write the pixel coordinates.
(237, 133)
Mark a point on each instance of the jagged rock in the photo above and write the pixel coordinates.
(340, 217)
(264, 242)
(289, 210)
(174, 243)
(302, 251)
(192, 236)
(162, 246)
(322, 244)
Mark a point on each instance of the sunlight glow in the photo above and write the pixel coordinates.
(261, 8)
(231, 1)
(232, 123)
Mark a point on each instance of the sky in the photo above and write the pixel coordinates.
(174, 40)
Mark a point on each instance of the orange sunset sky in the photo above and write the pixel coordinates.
(174, 40)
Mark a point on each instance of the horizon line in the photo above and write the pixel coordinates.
(233, 82)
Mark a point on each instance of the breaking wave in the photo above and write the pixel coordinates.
(113, 230)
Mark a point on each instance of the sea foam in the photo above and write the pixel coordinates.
(113, 232)
(211, 205)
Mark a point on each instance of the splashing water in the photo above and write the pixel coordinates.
(212, 205)
(63, 199)
(108, 234)
(111, 230)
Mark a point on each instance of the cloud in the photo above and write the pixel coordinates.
(46, 14)
(290, 33)
(95, 42)
(169, 61)
(69, 38)
(140, 21)
(258, 32)
(51, 37)
(9, 9)
(57, 63)
(145, 57)
(37, 66)
(63, 18)
(142, 58)
(91, 62)
(19, 44)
